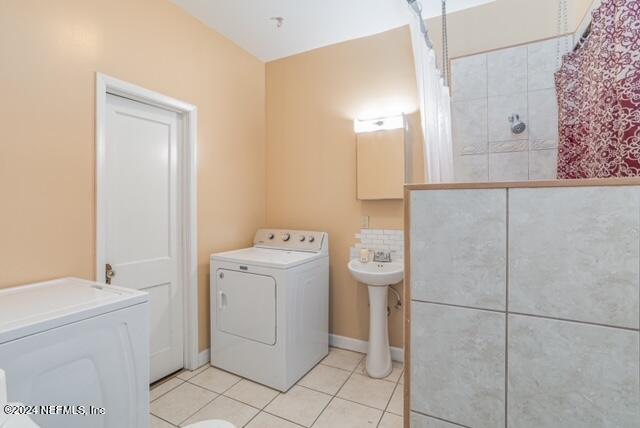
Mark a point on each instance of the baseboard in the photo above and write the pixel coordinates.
(343, 342)
(357, 345)
(204, 357)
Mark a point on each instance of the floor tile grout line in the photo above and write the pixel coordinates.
(314, 390)
(339, 368)
(388, 402)
(362, 404)
(240, 378)
(390, 398)
(250, 420)
(222, 394)
(271, 414)
(322, 411)
(335, 395)
(250, 405)
(200, 408)
(258, 410)
(329, 365)
(163, 419)
(162, 381)
(305, 387)
(167, 391)
(206, 404)
(242, 402)
(271, 401)
(343, 398)
(280, 416)
(343, 384)
(199, 370)
(354, 371)
(283, 418)
(218, 395)
(380, 419)
(185, 419)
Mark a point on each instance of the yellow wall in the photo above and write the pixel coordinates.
(503, 23)
(49, 53)
(312, 99)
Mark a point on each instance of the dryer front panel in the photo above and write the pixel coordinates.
(246, 305)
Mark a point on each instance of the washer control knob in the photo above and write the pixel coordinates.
(271, 236)
(286, 237)
(311, 238)
(301, 238)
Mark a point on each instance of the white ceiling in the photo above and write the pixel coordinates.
(308, 24)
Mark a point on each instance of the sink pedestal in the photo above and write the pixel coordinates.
(378, 276)
(378, 364)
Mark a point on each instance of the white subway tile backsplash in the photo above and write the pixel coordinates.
(391, 240)
(393, 232)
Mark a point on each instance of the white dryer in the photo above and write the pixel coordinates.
(78, 345)
(270, 307)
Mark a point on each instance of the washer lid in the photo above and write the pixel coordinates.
(266, 257)
(34, 308)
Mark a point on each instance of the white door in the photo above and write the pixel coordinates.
(142, 243)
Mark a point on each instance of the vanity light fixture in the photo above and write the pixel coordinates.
(370, 125)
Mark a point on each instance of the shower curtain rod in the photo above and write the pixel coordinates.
(417, 9)
(583, 38)
(415, 6)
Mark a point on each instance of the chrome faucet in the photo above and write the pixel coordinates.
(382, 256)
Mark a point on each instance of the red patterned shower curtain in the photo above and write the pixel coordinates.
(598, 89)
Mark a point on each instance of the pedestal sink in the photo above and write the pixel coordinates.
(377, 276)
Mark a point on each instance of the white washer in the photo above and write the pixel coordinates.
(270, 307)
(73, 342)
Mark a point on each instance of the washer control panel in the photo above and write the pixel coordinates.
(295, 240)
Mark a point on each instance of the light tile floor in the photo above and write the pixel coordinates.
(336, 393)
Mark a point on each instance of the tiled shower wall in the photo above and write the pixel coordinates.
(486, 89)
(526, 313)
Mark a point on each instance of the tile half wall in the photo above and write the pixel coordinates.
(525, 307)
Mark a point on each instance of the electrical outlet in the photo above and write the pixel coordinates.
(364, 222)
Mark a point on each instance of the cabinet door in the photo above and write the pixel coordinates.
(246, 305)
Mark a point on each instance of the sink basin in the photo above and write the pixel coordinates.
(377, 274)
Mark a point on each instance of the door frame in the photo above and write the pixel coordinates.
(187, 204)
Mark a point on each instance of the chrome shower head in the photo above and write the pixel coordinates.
(517, 126)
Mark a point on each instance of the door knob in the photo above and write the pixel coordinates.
(108, 273)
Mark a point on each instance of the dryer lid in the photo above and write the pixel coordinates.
(34, 308)
(266, 257)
